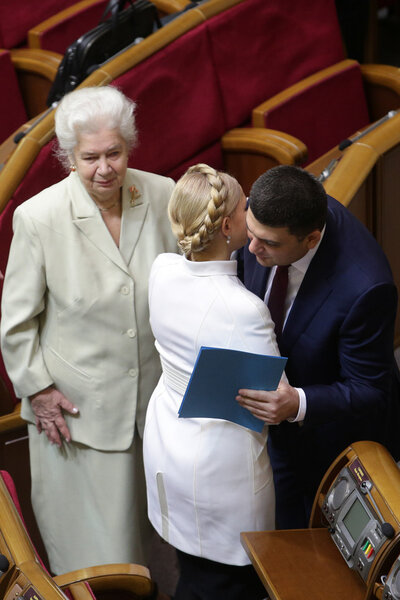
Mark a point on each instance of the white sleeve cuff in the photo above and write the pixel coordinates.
(301, 413)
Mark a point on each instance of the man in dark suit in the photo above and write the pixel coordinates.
(339, 315)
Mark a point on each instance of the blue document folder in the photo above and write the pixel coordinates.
(218, 375)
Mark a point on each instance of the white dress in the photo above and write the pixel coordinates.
(207, 479)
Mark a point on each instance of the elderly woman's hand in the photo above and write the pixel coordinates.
(48, 406)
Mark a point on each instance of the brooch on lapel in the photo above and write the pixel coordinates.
(135, 194)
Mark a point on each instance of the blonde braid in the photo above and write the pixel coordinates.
(196, 241)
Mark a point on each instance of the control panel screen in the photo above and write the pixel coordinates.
(356, 519)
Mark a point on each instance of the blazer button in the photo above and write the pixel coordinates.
(133, 372)
(125, 290)
(131, 333)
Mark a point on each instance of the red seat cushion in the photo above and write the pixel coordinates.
(324, 113)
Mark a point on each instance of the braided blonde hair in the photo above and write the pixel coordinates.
(201, 199)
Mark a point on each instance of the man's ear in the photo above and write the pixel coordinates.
(313, 238)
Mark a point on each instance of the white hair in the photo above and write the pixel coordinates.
(87, 110)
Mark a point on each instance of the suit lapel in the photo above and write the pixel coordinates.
(316, 286)
(88, 220)
(133, 216)
(255, 275)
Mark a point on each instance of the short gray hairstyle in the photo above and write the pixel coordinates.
(87, 110)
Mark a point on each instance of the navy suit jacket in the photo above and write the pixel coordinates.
(338, 339)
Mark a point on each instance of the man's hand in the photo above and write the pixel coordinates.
(48, 406)
(271, 407)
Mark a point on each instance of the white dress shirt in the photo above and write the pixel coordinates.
(296, 273)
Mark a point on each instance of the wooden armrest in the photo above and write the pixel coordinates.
(128, 577)
(168, 7)
(284, 148)
(214, 7)
(382, 88)
(36, 70)
(40, 62)
(300, 86)
(12, 420)
(250, 151)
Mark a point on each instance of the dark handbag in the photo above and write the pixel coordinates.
(123, 28)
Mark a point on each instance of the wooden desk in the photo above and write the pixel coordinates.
(302, 564)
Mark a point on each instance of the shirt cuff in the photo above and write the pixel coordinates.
(301, 413)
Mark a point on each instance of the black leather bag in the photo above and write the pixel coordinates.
(123, 28)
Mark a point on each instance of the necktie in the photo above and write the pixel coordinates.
(276, 302)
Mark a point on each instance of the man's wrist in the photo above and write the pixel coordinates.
(301, 413)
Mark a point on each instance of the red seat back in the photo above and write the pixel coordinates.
(57, 34)
(12, 109)
(261, 47)
(323, 113)
(18, 17)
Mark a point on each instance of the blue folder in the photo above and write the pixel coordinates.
(218, 375)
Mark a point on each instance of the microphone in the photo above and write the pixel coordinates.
(346, 143)
(387, 528)
(4, 564)
(21, 134)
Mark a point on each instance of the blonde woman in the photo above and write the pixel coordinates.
(207, 479)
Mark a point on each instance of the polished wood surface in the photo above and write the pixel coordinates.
(302, 564)
(366, 180)
(250, 151)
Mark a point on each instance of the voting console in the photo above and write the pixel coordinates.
(352, 547)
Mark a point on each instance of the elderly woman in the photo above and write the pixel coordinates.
(76, 338)
(207, 479)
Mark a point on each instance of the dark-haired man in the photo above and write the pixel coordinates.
(338, 323)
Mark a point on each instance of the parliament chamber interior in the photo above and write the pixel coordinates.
(244, 86)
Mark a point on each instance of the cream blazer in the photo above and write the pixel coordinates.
(74, 306)
(207, 479)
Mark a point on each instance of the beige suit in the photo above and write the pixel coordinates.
(75, 314)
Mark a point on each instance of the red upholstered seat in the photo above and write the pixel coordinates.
(321, 111)
(17, 18)
(179, 112)
(60, 30)
(261, 47)
(12, 109)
